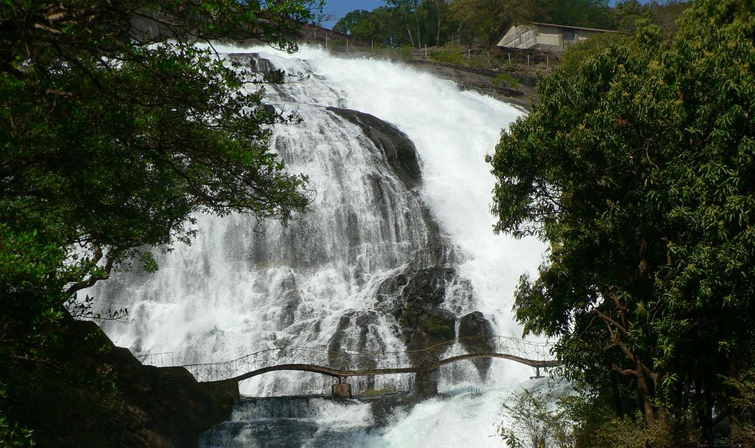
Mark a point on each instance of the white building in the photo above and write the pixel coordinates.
(546, 36)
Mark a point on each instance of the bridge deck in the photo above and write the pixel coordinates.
(389, 371)
(346, 364)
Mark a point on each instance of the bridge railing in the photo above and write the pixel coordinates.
(164, 359)
(525, 351)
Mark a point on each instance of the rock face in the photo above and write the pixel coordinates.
(483, 81)
(415, 299)
(474, 325)
(169, 407)
(473, 330)
(148, 406)
(396, 146)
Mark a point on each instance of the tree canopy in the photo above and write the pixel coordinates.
(111, 139)
(486, 20)
(112, 136)
(588, 13)
(433, 22)
(637, 168)
(414, 23)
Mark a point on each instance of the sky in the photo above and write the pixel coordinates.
(339, 8)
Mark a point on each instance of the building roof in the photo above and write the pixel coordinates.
(572, 27)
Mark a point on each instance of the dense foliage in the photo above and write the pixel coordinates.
(435, 22)
(111, 137)
(402, 22)
(109, 142)
(487, 21)
(638, 168)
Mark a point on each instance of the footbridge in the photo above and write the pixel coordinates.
(344, 364)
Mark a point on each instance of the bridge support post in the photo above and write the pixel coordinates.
(426, 384)
(341, 390)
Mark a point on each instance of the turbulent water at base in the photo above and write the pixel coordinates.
(334, 276)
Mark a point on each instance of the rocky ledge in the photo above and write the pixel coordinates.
(94, 394)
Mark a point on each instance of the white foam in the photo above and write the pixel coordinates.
(210, 302)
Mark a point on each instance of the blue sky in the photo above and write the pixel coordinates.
(339, 8)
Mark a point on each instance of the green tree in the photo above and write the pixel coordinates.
(665, 13)
(486, 20)
(408, 11)
(399, 24)
(438, 21)
(638, 169)
(111, 137)
(381, 26)
(626, 13)
(539, 419)
(587, 13)
(110, 143)
(349, 23)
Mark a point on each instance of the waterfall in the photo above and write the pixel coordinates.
(399, 219)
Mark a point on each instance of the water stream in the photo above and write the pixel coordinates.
(402, 194)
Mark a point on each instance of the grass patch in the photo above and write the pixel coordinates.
(505, 80)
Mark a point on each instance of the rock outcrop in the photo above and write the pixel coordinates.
(399, 151)
(93, 394)
(474, 328)
(415, 299)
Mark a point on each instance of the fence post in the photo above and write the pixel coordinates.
(528, 60)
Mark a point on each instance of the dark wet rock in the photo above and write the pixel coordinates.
(409, 293)
(297, 421)
(474, 330)
(420, 340)
(484, 81)
(254, 62)
(385, 406)
(267, 433)
(399, 151)
(438, 324)
(290, 300)
(416, 299)
(150, 407)
(340, 334)
(474, 325)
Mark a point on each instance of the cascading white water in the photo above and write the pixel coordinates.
(243, 285)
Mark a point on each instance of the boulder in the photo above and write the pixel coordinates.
(399, 151)
(474, 325)
(438, 324)
(474, 328)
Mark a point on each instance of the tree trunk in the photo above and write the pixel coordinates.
(617, 396)
(409, 31)
(645, 394)
(416, 25)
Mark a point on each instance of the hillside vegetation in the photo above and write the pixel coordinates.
(637, 167)
(433, 23)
